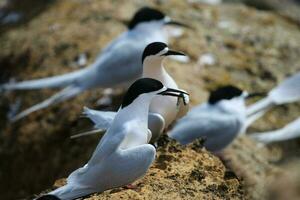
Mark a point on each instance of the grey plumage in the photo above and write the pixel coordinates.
(163, 110)
(118, 64)
(218, 121)
(216, 127)
(102, 121)
(122, 155)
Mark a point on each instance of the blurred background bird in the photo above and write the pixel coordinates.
(163, 110)
(216, 122)
(117, 65)
(237, 43)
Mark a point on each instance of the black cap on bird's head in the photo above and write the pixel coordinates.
(147, 85)
(226, 92)
(159, 49)
(147, 14)
(141, 86)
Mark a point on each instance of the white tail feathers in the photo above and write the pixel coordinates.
(87, 133)
(101, 119)
(288, 91)
(252, 118)
(65, 94)
(263, 104)
(49, 82)
(69, 192)
(290, 131)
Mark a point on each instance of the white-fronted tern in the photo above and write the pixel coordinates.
(217, 122)
(163, 110)
(123, 154)
(118, 64)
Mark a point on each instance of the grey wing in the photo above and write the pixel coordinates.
(109, 143)
(198, 109)
(135, 161)
(156, 124)
(217, 131)
(103, 120)
(119, 169)
(288, 91)
(113, 43)
(120, 64)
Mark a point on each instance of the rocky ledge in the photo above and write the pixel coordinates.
(252, 49)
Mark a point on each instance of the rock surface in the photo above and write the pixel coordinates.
(252, 49)
(289, 8)
(180, 173)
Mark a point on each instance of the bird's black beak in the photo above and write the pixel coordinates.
(175, 93)
(175, 23)
(255, 94)
(173, 53)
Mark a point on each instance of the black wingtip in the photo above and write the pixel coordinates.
(48, 197)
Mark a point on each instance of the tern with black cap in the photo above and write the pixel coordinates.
(217, 122)
(118, 64)
(163, 110)
(123, 154)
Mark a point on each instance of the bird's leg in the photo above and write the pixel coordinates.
(202, 141)
(130, 186)
(155, 145)
(199, 143)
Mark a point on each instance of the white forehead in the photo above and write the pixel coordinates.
(167, 19)
(245, 94)
(165, 50)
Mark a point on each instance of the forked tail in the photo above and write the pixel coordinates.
(49, 82)
(65, 94)
(101, 119)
